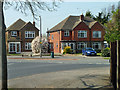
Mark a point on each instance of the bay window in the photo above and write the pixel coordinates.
(82, 34)
(96, 45)
(96, 34)
(82, 45)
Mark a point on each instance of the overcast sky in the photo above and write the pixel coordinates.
(50, 19)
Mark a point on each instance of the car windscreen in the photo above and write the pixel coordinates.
(89, 49)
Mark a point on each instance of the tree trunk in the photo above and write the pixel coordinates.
(113, 64)
(3, 58)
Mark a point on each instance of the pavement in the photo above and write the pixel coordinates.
(76, 79)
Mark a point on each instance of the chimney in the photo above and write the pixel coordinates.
(82, 17)
(33, 23)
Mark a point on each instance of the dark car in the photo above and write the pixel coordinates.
(88, 51)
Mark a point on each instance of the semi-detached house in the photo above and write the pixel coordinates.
(78, 32)
(20, 35)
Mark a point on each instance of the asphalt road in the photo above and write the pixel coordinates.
(19, 68)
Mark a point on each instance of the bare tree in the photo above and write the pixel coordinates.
(26, 6)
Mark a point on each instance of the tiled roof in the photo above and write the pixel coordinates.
(17, 25)
(71, 22)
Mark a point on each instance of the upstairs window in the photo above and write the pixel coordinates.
(28, 46)
(13, 33)
(82, 34)
(96, 34)
(66, 33)
(29, 34)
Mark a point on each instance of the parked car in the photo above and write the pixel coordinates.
(88, 51)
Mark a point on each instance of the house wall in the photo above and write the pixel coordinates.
(84, 27)
(28, 27)
(55, 41)
(58, 37)
(97, 27)
(66, 37)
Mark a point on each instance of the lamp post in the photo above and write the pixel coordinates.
(40, 38)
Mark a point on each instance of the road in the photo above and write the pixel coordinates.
(19, 68)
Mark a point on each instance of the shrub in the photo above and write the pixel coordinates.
(106, 52)
(67, 50)
(98, 51)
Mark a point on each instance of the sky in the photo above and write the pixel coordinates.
(68, 7)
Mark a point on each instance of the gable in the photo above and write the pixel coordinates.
(81, 26)
(97, 26)
(30, 27)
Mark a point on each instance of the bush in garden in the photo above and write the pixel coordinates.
(106, 52)
(67, 50)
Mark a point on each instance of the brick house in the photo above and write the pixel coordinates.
(77, 32)
(20, 35)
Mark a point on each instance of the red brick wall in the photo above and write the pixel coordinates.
(81, 26)
(97, 27)
(28, 27)
(66, 37)
(56, 39)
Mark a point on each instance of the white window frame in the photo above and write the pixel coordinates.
(81, 43)
(28, 33)
(97, 32)
(15, 43)
(66, 33)
(52, 37)
(27, 46)
(13, 33)
(96, 43)
(80, 32)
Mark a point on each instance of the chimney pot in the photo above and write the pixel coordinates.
(82, 17)
(34, 23)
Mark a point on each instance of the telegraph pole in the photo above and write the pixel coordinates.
(3, 58)
(40, 37)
